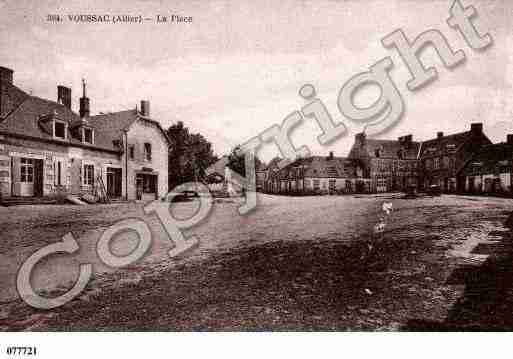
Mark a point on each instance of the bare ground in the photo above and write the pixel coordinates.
(294, 264)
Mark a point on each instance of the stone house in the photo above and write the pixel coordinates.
(444, 156)
(321, 175)
(46, 147)
(271, 171)
(389, 164)
(489, 169)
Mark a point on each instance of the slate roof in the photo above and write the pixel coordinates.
(444, 145)
(490, 159)
(22, 114)
(10, 98)
(322, 167)
(391, 149)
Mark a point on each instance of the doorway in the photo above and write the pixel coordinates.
(114, 182)
(146, 186)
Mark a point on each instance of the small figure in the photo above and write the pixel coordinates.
(387, 207)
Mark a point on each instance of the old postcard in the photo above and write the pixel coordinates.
(249, 166)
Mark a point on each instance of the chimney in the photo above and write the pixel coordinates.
(6, 74)
(509, 139)
(360, 138)
(476, 128)
(64, 96)
(330, 157)
(439, 134)
(84, 102)
(145, 108)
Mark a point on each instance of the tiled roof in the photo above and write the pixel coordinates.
(392, 148)
(446, 144)
(489, 159)
(273, 163)
(322, 167)
(10, 98)
(109, 127)
(23, 114)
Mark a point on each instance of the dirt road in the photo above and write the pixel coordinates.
(296, 263)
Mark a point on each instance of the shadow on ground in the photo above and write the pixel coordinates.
(487, 302)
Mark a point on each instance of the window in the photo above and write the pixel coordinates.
(147, 151)
(436, 163)
(131, 151)
(451, 147)
(88, 175)
(316, 184)
(59, 130)
(87, 135)
(27, 170)
(428, 164)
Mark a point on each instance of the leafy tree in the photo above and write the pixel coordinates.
(236, 162)
(189, 156)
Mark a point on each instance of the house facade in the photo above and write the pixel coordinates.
(489, 170)
(443, 157)
(46, 147)
(271, 186)
(390, 165)
(319, 175)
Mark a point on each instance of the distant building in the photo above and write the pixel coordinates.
(390, 165)
(489, 169)
(441, 158)
(320, 175)
(220, 179)
(46, 147)
(270, 171)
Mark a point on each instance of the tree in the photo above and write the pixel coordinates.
(237, 163)
(189, 156)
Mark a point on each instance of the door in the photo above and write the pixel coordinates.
(471, 184)
(114, 179)
(146, 186)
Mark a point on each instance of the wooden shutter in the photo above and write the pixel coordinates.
(16, 170)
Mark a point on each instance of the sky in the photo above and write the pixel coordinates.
(236, 69)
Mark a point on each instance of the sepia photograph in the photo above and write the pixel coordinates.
(296, 168)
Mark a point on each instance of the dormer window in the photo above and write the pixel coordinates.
(87, 135)
(59, 129)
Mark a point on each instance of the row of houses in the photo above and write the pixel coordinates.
(461, 162)
(46, 147)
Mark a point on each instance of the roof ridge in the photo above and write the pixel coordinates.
(112, 113)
